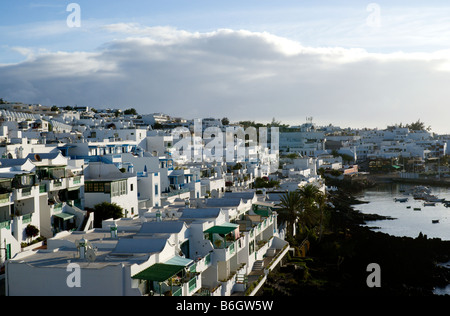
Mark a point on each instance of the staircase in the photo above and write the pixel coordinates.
(258, 265)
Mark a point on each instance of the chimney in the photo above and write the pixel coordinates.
(113, 230)
(82, 248)
(158, 216)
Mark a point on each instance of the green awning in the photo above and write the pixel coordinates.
(159, 272)
(223, 229)
(264, 213)
(64, 216)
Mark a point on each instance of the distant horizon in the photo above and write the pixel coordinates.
(290, 124)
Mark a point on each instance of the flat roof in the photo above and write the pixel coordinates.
(225, 202)
(198, 213)
(163, 227)
(139, 245)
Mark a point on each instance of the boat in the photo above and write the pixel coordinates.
(433, 198)
(409, 206)
(429, 204)
(417, 209)
(435, 221)
(401, 200)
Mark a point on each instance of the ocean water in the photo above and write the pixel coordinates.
(408, 222)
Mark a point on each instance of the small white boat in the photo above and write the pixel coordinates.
(401, 200)
(429, 204)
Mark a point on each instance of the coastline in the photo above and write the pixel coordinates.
(336, 265)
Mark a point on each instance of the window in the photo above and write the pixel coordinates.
(88, 187)
(131, 187)
(156, 190)
(123, 187)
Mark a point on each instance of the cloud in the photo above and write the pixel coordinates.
(238, 74)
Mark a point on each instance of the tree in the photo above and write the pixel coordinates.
(31, 231)
(265, 183)
(106, 210)
(418, 126)
(290, 209)
(225, 121)
(131, 111)
(305, 205)
(308, 195)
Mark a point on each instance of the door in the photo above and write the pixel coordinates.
(8, 251)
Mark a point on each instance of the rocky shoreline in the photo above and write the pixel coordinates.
(336, 265)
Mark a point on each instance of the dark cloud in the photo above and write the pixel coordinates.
(241, 75)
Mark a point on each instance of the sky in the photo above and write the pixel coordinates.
(346, 63)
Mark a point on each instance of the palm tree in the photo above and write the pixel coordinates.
(321, 200)
(290, 209)
(308, 195)
(312, 202)
(306, 205)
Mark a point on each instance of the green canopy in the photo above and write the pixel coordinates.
(64, 216)
(222, 229)
(159, 272)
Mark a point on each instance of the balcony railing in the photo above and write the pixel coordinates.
(192, 284)
(5, 198)
(176, 192)
(178, 292)
(77, 180)
(26, 191)
(26, 218)
(42, 188)
(5, 224)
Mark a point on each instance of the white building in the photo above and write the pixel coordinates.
(106, 183)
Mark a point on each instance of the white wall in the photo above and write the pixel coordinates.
(107, 281)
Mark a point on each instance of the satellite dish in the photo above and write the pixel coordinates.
(90, 255)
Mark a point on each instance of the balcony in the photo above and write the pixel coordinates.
(74, 181)
(23, 193)
(26, 218)
(56, 208)
(55, 184)
(204, 263)
(5, 224)
(5, 198)
(42, 188)
(174, 193)
(171, 280)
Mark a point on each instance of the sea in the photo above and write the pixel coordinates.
(411, 217)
